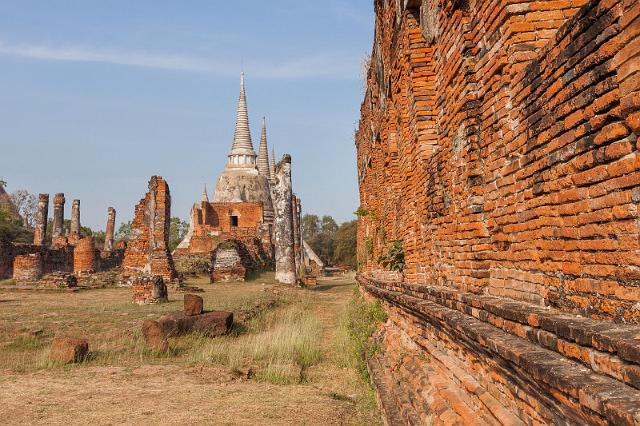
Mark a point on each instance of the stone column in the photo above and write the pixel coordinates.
(40, 232)
(284, 244)
(296, 232)
(58, 216)
(111, 224)
(75, 218)
(300, 250)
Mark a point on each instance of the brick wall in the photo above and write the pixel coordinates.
(53, 259)
(504, 153)
(85, 256)
(27, 267)
(148, 249)
(499, 142)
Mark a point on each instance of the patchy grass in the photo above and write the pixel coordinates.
(289, 347)
(278, 345)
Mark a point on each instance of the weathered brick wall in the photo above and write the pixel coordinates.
(227, 265)
(499, 142)
(503, 154)
(58, 259)
(27, 267)
(148, 249)
(85, 257)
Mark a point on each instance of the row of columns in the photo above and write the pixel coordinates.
(42, 217)
(288, 237)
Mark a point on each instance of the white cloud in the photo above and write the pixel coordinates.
(334, 64)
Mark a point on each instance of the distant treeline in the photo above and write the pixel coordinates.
(335, 244)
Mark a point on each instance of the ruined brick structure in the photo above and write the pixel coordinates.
(74, 228)
(27, 267)
(68, 253)
(227, 265)
(284, 232)
(243, 211)
(84, 256)
(149, 289)
(58, 238)
(148, 249)
(499, 143)
(40, 231)
(110, 230)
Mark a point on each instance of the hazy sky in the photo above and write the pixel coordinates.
(96, 96)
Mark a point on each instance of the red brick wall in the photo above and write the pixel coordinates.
(27, 267)
(58, 259)
(499, 142)
(503, 154)
(148, 250)
(84, 255)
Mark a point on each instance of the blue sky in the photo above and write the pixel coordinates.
(96, 96)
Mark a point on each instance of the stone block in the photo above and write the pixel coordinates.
(68, 349)
(210, 324)
(154, 336)
(193, 304)
(149, 289)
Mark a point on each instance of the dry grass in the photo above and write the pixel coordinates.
(288, 338)
(278, 347)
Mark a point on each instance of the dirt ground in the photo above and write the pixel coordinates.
(123, 383)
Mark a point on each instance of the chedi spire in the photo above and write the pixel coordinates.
(242, 153)
(272, 164)
(263, 152)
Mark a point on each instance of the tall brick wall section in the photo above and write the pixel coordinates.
(148, 250)
(499, 142)
(504, 154)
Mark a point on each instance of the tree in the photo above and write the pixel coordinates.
(124, 231)
(11, 229)
(345, 244)
(27, 206)
(310, 226)
(328, 225)
(177, 231)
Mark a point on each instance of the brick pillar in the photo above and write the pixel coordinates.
(58, 216)
(109, 234)
(27, 267)
(284, 244)
(84, 255)
(75, 218)
(40, 231)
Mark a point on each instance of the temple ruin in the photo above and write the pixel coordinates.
(499, 180)
(246, 215)
(61, 260)
(147, 250)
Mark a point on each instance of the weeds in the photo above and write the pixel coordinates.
(358, 323)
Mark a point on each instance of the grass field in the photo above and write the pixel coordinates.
(289, 360)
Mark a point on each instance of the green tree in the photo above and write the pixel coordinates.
(310, 226)
(11, 229)
(27, 206)
(177, 231)
(124, 231)
(344, 252)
